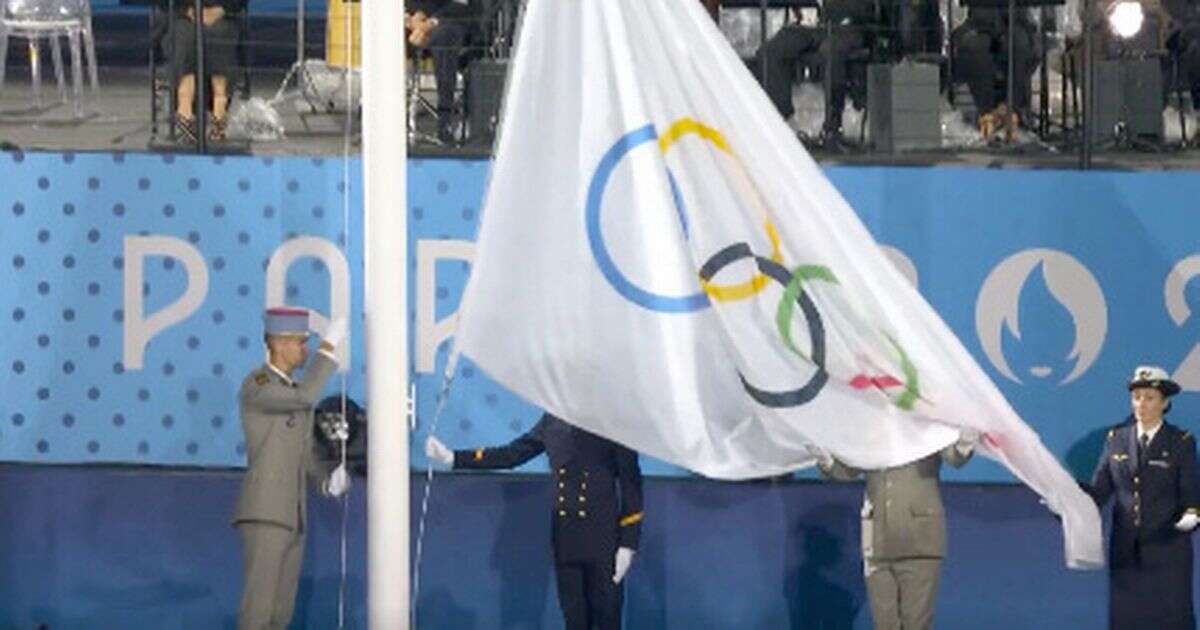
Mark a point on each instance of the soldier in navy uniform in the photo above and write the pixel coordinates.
(1150, 466)
(596, 515)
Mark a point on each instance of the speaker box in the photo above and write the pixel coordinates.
(902, 106)
(1129, 92)
(485, 90)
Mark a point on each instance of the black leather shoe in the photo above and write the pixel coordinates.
(446, 130)
(832, 141)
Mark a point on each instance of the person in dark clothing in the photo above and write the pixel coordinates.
(1185, 44)
(444, 28)
(1181, 30)
(980, 48)
(918, 26)
(795, 44)
(220, 57)
(1149, 466)
(596, 515)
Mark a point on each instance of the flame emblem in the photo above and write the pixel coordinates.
(1069, 282)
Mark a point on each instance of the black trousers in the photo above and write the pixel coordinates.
(981, 61)
(794, 45)
(446, 43)
(1186, 44)
(588, 597)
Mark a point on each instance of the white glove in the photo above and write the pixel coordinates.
(824, 459)
(336, 332)
(623, 560)
(967, 439)
(1187, 522)
(436, 451)
(338, 482)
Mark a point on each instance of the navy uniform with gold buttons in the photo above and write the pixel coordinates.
(1150, 548)
(597, 508)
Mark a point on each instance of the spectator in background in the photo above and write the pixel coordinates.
(796, 44)
(220, 56)
(444, 28)
(981, 54)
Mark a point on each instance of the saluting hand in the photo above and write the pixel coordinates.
(336, 332)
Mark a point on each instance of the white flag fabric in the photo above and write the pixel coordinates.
(660, 262)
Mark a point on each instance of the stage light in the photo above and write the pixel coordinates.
(1125, 18)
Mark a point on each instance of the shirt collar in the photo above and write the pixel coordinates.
(283, 375)
(1151, 433)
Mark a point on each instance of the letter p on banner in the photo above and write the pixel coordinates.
(140, 329)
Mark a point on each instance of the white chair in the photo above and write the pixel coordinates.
(36, 20)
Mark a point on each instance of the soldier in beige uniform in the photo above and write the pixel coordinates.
(903, 534)
(277, 417)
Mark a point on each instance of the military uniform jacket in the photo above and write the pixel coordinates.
(597, 504)
(903, 516)
(1150, 562)
(277, 418)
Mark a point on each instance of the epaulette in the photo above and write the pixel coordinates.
(1111, 432)
(261, 379)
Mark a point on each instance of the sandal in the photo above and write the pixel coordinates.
(217, 126)
(185, 129)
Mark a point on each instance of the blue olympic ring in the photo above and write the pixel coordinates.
(646, 299)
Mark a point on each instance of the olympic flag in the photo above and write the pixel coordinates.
(660, 262)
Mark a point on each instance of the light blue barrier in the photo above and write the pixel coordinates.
(1111, 241)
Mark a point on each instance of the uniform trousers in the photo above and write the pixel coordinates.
(903, 593)
(271, 558)
(587, 595)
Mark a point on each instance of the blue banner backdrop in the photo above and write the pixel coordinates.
(1059, 283)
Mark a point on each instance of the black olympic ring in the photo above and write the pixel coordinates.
(816, 328)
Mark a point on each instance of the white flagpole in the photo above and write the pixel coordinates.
(385, 157)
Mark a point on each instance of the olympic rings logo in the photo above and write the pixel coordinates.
(595, 196)
(768, 268)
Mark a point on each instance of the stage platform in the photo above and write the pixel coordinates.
(118, 119)
(131, 548)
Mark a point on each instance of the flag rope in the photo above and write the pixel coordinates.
(443, 395)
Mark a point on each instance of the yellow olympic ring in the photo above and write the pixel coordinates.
(732, 292)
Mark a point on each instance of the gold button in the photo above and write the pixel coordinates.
(561, 499)
(582, 499)
(562, 512)
(583, 486)
(1136, 480)
(562, 471)
(582, 513)
(561, 485)
(585, 473)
